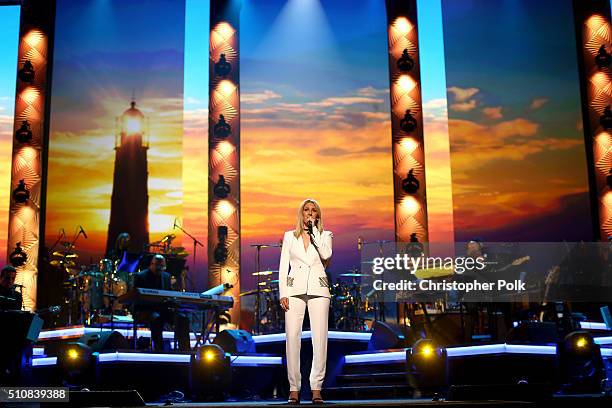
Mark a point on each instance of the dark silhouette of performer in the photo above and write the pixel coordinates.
(10, 299)
(606, 119)
(222, 67)
(26, 73)
(157, 278)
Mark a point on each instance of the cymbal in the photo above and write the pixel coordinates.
(264, 273)
(269, 282)
(255, 291)
(64, 254)
(354, 275)
(275, 244)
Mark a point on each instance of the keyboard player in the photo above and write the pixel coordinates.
(155, 277)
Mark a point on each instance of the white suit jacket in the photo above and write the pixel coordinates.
(301, 272)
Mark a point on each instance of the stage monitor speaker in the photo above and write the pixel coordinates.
(85, 399)
(533, 333)
(107, 340)
(390, 336)
(235, 341)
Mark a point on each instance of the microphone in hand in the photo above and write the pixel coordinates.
(309, 224)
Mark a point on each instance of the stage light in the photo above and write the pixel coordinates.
(408, 123)
(603, 58)
(30, 94)
(222, 67)
(225, 148)
(26, 73)
(76, 362)
(225, 209)
(24, 133)
(606, 119)
(405, 63)
(581, 367)
(221, 188)
(210, 371)
(410, 184)
(226, 88)
(21, 194)
(33, 38)
(410, 205)
(18, 257)
(406, 83)
(402, 25)
(222, 129)
(224, 29)
(427, 367)
(409, 144)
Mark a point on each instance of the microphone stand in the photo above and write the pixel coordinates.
(196, 242)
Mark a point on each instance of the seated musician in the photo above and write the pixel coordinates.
(10, 299)
(156, 315)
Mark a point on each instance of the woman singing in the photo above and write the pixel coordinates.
(303, 283)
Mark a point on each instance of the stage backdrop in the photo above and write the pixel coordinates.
(517, 147)
(115, 58)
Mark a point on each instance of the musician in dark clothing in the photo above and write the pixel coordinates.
(10, 299)
(156, 315)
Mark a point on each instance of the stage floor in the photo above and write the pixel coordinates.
(360, 403)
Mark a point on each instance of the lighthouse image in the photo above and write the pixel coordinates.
(130, 199)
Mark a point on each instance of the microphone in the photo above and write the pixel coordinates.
(82, 231)
(309, 224)
(174, 226)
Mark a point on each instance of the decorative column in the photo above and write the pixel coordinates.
(31, 135)
(224, 151)
(406, 122)
(593, 39)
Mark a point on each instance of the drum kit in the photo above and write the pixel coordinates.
(91, 290)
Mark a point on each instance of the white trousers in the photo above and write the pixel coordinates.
(318, 311)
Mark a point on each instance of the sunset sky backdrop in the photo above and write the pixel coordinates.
(315, 119)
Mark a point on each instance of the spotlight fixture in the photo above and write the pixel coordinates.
(24, 133)
(221, 189)
(427, 367)
(606, 119)
(408, 123)
(26, 73)
(581, 368)
(221, 251)
(405, 63)
(210, 372)
(222, 129)
(603, 58)
(410, 184)
(222, 67)
(21, 194)
(76, 362)
(18, 257)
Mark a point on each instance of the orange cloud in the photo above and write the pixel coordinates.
(493, 112)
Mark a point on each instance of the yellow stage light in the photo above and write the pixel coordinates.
(409, 144)
(581, 343)
(402, 25)
(406, 83)
(73, 354)
(411, 205)
(29, 95)
(226, 88)
(225, 209)
(427, 351)
(224, 29)
(209, 356)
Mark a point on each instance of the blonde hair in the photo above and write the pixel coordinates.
(299, 226)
